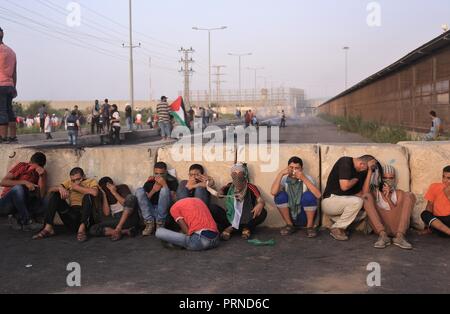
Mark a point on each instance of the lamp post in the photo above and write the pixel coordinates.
(346, 49)
(209, 30)
(240, 55)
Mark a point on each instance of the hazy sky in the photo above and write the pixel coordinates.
(299, 43)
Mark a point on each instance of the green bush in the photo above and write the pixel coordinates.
(370, 130)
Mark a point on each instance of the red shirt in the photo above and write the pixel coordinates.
(23, 171)
(195, 214)
(7, 65)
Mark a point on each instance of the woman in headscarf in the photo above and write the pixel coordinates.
(244, 206)
(389, 209)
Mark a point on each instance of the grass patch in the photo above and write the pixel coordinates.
(370, 130)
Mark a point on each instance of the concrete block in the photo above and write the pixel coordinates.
(130, 165)
(393, 155)
(258, 160)
(217, 161)
(426, 162)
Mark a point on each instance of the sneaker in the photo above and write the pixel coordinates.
(338, 234)
(160, 224)
(401, 242)
(32, 226)
(311, 233)
(383, 242)
(149, 228)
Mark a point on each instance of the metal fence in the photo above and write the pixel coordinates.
(403, 98)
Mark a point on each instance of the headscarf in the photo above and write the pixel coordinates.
(388, 169)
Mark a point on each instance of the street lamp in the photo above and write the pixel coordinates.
(209, 30)
(256, 78)
(346, 49)
(240, 55)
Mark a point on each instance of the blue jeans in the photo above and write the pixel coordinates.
(73, 137)
(194, 242)
(152, 212)
(129, 124)
(18, 201)
(165, 129)
(200, 193)
(307, 203)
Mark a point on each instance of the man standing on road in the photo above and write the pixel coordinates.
(106, 115)
(8, 82)
(283, 119)
(163, 111)
(42, 112)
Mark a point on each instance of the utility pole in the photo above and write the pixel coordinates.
(131, 47)
(187, 70)
(218, 81)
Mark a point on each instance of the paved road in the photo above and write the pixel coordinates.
(294, 265)
(304, 130)
(313, 130)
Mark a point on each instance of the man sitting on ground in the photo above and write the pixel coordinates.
(296, 198)
(437, 214)
(156, 197)
(24, 189)
(196, 186)
(199, 230)
(120, 213)
(74, 201)
(342, 200)
(244, 206)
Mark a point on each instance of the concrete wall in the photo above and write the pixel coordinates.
(263, 180)
(418, 164)
(426, 162)
(393, 155)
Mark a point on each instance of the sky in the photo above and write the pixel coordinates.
(298, 43)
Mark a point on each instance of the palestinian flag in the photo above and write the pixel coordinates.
(178, 111)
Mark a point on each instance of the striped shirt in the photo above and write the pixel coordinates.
(163, 112)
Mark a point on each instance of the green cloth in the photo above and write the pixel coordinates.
(229, 204)
(295, 193)
(262, 243)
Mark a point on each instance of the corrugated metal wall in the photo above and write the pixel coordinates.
(403, 98)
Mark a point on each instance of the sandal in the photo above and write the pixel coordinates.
(246, 234)
(287, 231)
(226, 235)
(44, 234)
(82, 237)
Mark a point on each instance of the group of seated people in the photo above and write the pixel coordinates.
(186, 215)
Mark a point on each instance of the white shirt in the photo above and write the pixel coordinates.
(116, 116)
(238, 206)
(381, 203)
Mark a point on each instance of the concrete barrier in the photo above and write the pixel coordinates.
(217, 162)
(264, 179)
(418, 164)
(426, 161)
(393, 155)
(131, 165)
(59, 162)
